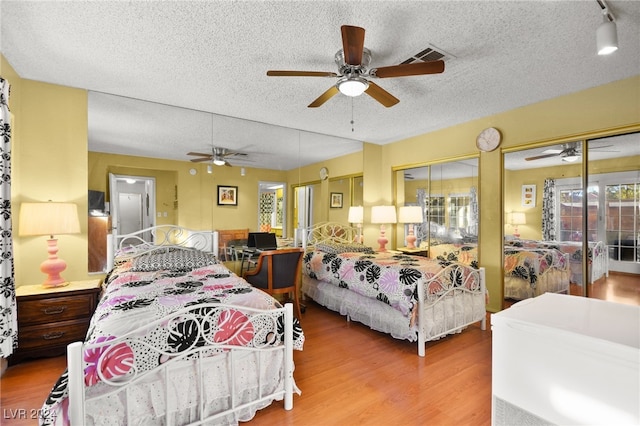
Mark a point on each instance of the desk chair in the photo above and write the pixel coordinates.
(278, 272)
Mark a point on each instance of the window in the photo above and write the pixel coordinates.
(622, 204)
(571, 211)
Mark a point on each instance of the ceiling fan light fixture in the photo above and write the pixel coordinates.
(352, 86)
(571, 158)
(219, 162)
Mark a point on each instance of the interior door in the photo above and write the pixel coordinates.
(132, 204)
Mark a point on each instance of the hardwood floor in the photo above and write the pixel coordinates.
(348, 374)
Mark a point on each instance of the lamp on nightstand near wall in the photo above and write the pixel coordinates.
(383, 215)
(517, 218)
(50, 219)
(410, 215)
(356, 215)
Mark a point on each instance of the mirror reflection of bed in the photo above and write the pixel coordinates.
(555, 223)
(447, 194)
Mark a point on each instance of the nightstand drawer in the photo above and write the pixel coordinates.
(45, 311)
(60, 333)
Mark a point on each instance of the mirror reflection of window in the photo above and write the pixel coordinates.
(447, 193)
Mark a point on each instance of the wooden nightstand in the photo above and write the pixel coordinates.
(414, 251)
(51, 318)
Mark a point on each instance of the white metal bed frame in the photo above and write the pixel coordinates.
(340, 233)
(261, 320)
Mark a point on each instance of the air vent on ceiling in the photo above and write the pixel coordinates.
(431, 53)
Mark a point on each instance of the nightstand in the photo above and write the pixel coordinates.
(414, 251)
(51, 318)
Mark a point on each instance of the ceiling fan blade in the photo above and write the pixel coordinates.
(538, 157)
(199, 160)
(381, 95)
(226, 163)
(301, 74)
(333, 90)
(199, 153)
(403, 70)
(352, 44)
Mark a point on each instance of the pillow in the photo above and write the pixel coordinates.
(184, 260)
(336, 248)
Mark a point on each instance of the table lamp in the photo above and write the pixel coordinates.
(356, 215)
(410, 215)
(383, 215)
(50, 219)
(517, 218)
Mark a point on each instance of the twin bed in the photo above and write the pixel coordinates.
(409, 297)
(177, 338)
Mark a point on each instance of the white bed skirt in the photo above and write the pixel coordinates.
(552, 281)
(439, 319)
(371, 312)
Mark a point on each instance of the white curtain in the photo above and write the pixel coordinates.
(8, 322)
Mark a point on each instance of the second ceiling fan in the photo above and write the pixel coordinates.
(218, 156)
(354, 75)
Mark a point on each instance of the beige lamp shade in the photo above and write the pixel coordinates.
(410, 214)
(48, 219)
(518, 218)
(383, 214)
(356, 214)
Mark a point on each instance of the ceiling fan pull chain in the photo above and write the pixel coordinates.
(352, 114)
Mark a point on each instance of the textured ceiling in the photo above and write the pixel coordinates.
(210, 58)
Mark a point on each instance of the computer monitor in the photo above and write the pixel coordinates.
(266, 241)
(251, 239)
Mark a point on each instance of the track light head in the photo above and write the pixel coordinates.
(607, 38)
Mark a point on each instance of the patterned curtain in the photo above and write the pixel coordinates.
(8, 322)
(475, 212)
(420, 231)
(549, 210)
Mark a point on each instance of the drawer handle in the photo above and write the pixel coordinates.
(55, 310)
(53, 336)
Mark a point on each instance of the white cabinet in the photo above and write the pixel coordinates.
(566, 360)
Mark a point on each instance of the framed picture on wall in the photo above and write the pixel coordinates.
(528, 195)
(227, 195)
(336, 200)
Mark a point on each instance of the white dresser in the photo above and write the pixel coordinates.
(566, 360)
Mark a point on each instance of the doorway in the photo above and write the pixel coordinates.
(132, 204)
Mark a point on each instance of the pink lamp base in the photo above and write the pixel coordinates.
(53, 266)
(382, 240)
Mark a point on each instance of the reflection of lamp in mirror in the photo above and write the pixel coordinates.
(517, 218)
(356, 215)
(50, 219)
(383, 215)
(410, 215)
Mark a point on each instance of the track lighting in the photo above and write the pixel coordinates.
(209, 168)
(242, 171)
(607, 32)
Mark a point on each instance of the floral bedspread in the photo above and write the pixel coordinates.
(573, 249)
(388, 277)
(529, 263)
(135, 298)
(466, 253)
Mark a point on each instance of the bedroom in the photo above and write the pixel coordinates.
(604, 110)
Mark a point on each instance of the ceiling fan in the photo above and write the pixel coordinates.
(353, 72)
(569, 153)
(218, 156)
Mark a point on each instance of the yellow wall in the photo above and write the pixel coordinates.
(49, 162)
(197, 194)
